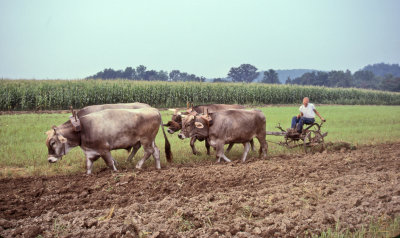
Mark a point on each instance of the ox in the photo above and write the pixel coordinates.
(225, 127)
(175, 124)
(107, 130)
(95, 108)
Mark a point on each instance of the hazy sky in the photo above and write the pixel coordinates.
(73, 39)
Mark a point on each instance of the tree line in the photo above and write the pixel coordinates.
(345, 79)
(378, 76)
(142, 73)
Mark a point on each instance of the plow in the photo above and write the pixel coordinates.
(311, 138)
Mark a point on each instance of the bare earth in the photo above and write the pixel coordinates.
(284, 196)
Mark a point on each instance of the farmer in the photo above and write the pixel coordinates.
(306, 116)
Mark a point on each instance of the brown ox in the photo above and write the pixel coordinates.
(225, 127)
(175, 124)
(108, 130)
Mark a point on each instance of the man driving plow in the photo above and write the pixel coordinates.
(306, 116)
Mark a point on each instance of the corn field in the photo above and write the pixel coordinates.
(60, 94)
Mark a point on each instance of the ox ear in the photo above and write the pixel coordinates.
(199, 125)
(62, 139)
(49, 133)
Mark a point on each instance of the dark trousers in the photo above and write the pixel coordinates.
(300, 122)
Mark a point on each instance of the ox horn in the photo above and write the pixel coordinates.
(73, 113)
(54, 127)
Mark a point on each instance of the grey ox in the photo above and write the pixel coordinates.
(106, 130)
(225, 127)
(96, 108)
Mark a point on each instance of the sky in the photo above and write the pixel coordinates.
(51, 39)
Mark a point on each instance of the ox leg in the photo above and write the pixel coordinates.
(192, 141)
(148, 150)
(110, 162)
(253, 148)
(229, 148)
(156, 156)
(207, 146)
(89, 164)
(135, 149)
(91, 156)
(263, 146)
(220, 153)
(246, 150)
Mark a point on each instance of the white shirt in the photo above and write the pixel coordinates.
(308, 112)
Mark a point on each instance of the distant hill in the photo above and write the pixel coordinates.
(383, 69)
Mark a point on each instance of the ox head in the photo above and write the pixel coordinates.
(56, 145)
(175, 124)
(195, 125)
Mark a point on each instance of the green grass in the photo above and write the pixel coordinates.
(23, 151)
(382, 227)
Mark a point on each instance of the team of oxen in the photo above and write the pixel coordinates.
(99, 129)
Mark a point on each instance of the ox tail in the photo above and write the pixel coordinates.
(168, 152)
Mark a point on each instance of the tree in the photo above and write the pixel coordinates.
(244, 73)
(335, 78)
(365, 79)
(150, 75)
(271, 76)
(174, 75)
(346, 81)
(129, 73)
(162, 75)
(288, 80)
(140, 72)
(390, 83)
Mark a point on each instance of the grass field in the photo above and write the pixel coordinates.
(23, 151)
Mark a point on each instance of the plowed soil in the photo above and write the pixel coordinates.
(285, 196)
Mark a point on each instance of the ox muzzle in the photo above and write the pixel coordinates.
(53, 159)
(181, 136)
(170, 131)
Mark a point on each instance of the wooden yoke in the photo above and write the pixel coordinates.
(74, 120)
(207, 118)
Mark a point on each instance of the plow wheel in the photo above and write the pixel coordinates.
(313, 142)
